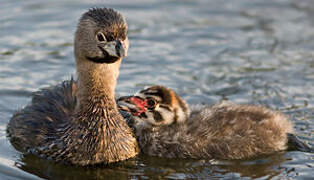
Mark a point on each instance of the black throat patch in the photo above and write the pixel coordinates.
(101, 60)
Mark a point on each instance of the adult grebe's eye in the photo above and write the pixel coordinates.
(101, 37)
(151, 102)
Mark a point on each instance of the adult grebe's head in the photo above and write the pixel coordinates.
(101, 36)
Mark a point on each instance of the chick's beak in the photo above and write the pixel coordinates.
(124, 104)
(115, 49)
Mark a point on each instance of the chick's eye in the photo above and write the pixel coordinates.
(151, 102)
(110, 38)
(101, 37)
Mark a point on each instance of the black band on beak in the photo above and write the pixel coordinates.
(120, 49)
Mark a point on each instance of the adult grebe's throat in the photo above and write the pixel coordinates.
(96, 81)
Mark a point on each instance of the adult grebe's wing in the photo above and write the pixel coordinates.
(35, 124)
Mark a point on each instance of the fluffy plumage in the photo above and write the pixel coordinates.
(221, 131)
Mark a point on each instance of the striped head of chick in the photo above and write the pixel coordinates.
(155, 106)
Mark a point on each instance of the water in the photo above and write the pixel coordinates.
(246, 51)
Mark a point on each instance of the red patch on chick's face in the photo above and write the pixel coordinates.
(140, 104)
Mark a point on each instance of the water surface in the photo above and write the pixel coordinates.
(258, 52)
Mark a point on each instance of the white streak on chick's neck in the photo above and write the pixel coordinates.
(180, 107)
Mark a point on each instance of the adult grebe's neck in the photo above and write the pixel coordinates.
(103, 134)
(96, 81)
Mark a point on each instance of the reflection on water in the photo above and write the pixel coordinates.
(158, 168)
(246, 51)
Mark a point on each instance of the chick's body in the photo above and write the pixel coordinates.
(221, 131)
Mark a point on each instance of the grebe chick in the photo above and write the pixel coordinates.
(165, 127)
(79, 122)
